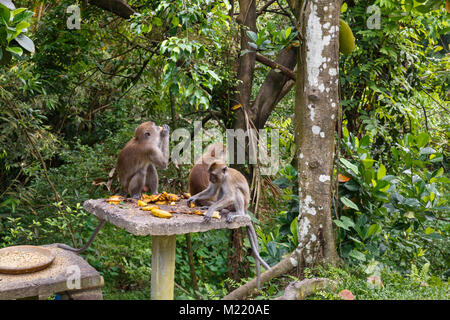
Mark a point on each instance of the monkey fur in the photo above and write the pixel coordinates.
(229, 188)
(138, 160)
(199, 176)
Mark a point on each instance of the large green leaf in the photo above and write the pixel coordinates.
(349, 203)
(21, 16)
(25, 42)
(5, 15)
(349, 165)
(8, 4)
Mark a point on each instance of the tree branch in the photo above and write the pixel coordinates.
(282, 267)
(299, 290)
(118, 7)
(274, 65)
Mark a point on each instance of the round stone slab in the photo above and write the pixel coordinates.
(24, 259)
(130, 217)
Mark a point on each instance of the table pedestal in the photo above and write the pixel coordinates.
(163, 267)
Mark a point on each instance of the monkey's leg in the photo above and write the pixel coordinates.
(238, 206)
(151, 180)
(137, 184)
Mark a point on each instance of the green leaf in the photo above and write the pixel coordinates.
(357, 255)
(349, 203)
(347, 221)
(15, 50)
(22, 25)
(25, 42)
(374, 229)
(349, 165)
(367, 162)
(429, 230)
(381, 172)
(252, 35)
(5, 14)
(427, 150)
(8, 4)
(422, 139)
(17, 11)
(340, 224)
(288, 32)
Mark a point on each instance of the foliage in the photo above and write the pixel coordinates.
(13, 24)
(67, 110)
(395, 285)
(395, 212)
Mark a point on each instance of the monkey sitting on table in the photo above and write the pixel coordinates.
(229, 188)
(198, 175)
(138, 160)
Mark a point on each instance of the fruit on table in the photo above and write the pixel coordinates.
(115, 199)
(160, 213)
(149, 208)
(141, 203)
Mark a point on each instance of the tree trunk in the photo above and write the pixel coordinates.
(316, 106)
(247, 20)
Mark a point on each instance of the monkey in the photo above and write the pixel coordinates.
(138, 160)
(199, 176)
(229, 188)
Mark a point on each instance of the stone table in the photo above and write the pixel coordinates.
(69, 275)
(130, 217)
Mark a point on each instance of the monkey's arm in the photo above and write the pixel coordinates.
(206, 194)
(226, 201)
(164, 145)
(157, 158)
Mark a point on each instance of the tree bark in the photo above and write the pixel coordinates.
(273, 88)
(118, 7)
(316, 106)
(247, 19)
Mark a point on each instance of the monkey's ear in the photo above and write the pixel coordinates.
(225, 169)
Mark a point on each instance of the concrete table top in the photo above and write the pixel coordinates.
(129, 216)
(51, 280)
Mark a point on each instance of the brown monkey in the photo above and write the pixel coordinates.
(229, 188)
(138, 160)
(199, 175)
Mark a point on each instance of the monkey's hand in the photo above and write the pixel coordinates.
(165, 130)
(191, 200)
(207, 217)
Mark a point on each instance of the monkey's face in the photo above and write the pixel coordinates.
(218, 174)
(148, 130)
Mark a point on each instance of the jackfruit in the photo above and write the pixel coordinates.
(346, 38)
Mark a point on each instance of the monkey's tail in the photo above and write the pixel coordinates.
(255, 248)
